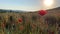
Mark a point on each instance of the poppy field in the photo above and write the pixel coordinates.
(30, 23)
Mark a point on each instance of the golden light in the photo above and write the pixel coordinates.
(48, 2)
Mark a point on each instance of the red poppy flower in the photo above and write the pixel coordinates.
(20, 20)
(42, 12)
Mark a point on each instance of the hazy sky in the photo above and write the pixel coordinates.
(26, 5)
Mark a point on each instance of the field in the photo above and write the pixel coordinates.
(30, 22)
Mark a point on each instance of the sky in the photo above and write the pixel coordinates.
(26, 5)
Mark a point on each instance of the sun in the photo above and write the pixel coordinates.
(48, 2)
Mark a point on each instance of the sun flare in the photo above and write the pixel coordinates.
(48, 2)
